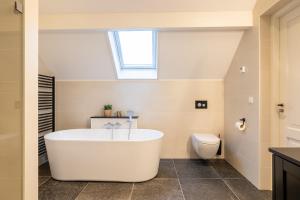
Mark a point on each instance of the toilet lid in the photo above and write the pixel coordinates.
(207, 138)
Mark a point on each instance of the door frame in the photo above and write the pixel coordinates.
(30, 99)
(276, 139)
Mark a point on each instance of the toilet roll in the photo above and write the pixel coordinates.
(240, 126)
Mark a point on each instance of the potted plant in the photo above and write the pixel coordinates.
(107, 110)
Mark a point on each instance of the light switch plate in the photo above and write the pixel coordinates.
(251, 100)
(243, 69)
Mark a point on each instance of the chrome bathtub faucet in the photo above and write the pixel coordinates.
(117, 125)
(130, 120)
(108, 125)
(112, 126)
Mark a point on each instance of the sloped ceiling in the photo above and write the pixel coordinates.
(108, 6)
(86, 55)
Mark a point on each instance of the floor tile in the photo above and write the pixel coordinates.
(195, 169)
(157, 189)
(225, 170)
(193, 161)
(43, 179)
(44, 170)
(267, 194)
(244, 189)
(106, 191)
(166, 169)
(58, 190)
(200, 179)
(166, 160)
(206, 189)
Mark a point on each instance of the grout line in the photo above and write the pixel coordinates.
(203, 178)
(164, 178)
(216, 171)
(214, 167)
(49, 177)
(234, 178)
(228, 186)
(175, 168)
(82, 190)
(178, 179)
(131, 192)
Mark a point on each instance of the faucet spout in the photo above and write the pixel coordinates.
(130, 116)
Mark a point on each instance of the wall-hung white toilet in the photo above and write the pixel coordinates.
(205, 145)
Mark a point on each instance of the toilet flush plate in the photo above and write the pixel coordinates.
(201, 104)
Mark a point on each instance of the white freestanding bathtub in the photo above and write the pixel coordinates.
(99, 155)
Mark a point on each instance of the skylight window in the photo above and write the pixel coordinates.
(134, 53)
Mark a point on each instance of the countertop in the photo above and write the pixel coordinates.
(288, 153)
(115, 117)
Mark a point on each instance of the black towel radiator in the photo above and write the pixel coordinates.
(46, 106)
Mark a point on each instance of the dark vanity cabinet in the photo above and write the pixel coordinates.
(286, 173)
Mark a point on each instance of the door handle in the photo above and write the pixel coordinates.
(18, 7)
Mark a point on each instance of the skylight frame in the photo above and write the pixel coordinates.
(124, 66)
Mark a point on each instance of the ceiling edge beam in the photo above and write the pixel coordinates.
(169, 20)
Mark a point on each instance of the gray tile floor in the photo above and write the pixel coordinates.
(176, 180)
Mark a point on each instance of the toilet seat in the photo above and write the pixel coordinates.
(207, 138)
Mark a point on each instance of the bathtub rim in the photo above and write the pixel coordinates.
(48, 138)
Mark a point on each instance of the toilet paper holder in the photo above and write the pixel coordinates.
(241, 124)
(243, 120)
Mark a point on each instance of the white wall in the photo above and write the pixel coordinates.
(165, 105)
(44, 69)
(192, 55)
(241, 148)
(117, 6)
(86, 55)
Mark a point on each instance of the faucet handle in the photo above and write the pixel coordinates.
(108, 125)
(117, 125)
